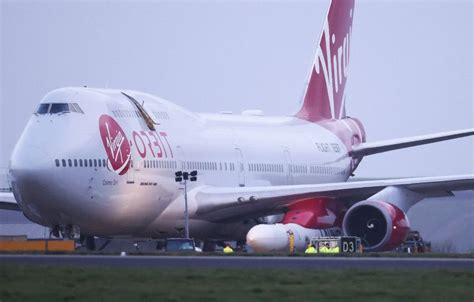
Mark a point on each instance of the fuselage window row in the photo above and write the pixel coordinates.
(80, 163)
(210, 166)
(158, 164)
(162, 115)
(122, 113)
(270, 168)
(297, 169)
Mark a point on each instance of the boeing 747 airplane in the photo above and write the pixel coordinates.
(101, 162)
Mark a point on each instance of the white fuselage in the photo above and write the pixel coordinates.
(146, 201)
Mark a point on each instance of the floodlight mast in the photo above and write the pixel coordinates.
(182, 178)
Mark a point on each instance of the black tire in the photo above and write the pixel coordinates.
(90, 243)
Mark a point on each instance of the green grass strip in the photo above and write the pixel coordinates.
(63, 283)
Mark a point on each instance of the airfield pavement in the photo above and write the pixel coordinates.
(241, 262)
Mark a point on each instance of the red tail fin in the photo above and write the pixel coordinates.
(325, 94)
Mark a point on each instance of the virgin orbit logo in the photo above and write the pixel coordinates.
(116, 144)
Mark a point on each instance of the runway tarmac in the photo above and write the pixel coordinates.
(241, 262)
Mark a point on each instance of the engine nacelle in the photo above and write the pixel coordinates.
(380, 225)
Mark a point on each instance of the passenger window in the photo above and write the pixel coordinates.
(64, 162)
(57, 162)
(85, 162)
(69, 162)
(75, 163)
(95, 162)
(100, 163)
(80, 163)
(90, 162)
(104, 165)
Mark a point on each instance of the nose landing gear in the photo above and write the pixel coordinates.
(65, 232)
(71, 232)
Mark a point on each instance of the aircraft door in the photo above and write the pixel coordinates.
(131, 170)
(240, 167)
(289, 176)
(180, 158)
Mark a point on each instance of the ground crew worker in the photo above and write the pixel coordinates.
(325, 248)
(335, 249)
(228, 249)
(311, 249)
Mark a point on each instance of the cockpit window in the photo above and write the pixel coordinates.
(75, 108)
(43, 108)
(55, 108)
(59, 108)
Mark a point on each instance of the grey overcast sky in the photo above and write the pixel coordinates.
(411, 64)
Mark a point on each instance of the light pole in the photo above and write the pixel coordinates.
(183, 177)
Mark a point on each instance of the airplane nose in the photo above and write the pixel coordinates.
(30, 174)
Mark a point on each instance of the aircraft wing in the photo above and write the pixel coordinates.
(365, 149)
(222, 204)
(8, 202)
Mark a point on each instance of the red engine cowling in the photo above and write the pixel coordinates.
(381, 226)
